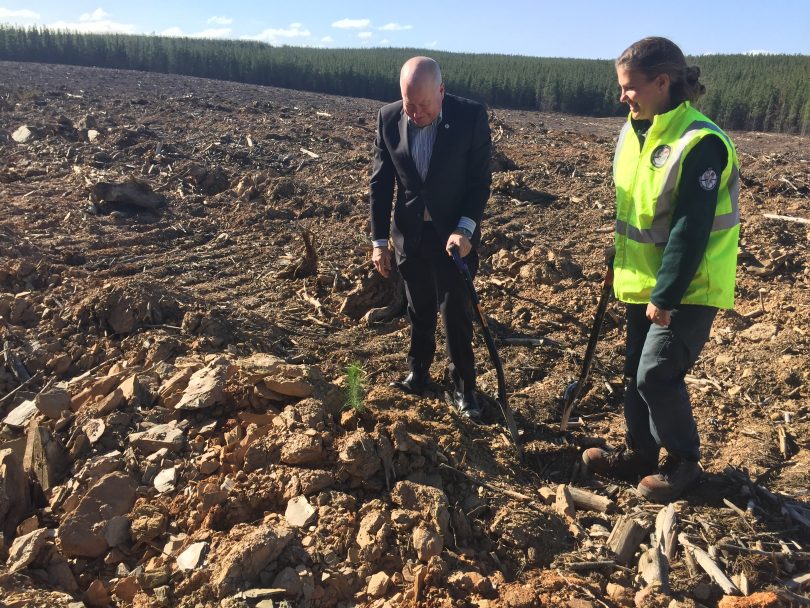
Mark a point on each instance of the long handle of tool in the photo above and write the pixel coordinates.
(593, 339)
(590, 351)
(493, 351)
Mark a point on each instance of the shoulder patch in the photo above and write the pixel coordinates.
(660, 155)
(708, 181)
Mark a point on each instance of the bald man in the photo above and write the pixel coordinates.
(435, 148)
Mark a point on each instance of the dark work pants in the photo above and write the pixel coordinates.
(657, 409)
(433, 283)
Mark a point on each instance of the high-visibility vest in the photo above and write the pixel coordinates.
(647, 184)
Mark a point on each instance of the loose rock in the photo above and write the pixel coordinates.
(24, 134)
(53, 403)
(81, 533)
(251, 551)
(26, 549)
(15, 493)
(299, 512)
(193, 556)
(378, 584)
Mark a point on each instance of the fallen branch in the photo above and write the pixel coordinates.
(798, 556)
(318, 322)
(23, 385)
(314, 302)
(739, 512)
(489, 486)
(786, 218)
(788, 182)
(709, 566)
(665, 532)
(532, 342)
(583, 499)
(587, 566)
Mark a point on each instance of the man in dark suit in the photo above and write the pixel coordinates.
(435, 148)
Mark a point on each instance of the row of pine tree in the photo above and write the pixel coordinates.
(751, 92)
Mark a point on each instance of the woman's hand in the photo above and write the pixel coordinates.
(659, 316)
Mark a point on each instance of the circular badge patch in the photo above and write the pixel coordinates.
(660, 155)
(708, 181)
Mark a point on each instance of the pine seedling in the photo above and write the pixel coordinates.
(355, 388)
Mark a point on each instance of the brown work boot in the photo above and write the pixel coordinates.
(620, 463)
(674, 475)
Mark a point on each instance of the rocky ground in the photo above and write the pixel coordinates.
(185, 278)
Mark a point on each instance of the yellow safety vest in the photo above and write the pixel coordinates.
(647, 183)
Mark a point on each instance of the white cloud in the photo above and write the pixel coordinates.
(365, 35)
(384, 42)
(294, 30)
(220, 20)
(759, 52)
(345, 24)
(96, 22)
(175, 32)
(6, 13)
(327, 39)
(217, 32)
(395, 27)
(431, 45)
(97, 15)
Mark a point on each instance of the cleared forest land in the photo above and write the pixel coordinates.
(185, 276)
(758, 92)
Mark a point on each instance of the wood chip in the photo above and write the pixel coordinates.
(625, 538)
(564, 504)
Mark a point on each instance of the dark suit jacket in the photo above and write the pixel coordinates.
(458, 178)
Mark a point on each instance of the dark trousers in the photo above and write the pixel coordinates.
(657, 409)
(433, 283)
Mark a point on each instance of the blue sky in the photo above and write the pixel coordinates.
(562, 28)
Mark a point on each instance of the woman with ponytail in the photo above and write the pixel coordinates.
(677, 227)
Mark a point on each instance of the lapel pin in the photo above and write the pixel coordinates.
(447, 125)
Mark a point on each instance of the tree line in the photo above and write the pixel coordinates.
(749, 92)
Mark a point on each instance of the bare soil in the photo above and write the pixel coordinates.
(219, 267)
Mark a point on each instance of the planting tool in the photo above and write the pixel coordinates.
(493, 352)
(574, 390)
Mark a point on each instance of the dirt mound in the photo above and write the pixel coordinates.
(126, 306)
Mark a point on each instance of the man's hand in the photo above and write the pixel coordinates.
(658, 316)
(462, 242)
(381, 256)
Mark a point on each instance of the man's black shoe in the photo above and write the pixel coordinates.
(413, 384)
(467, 404)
